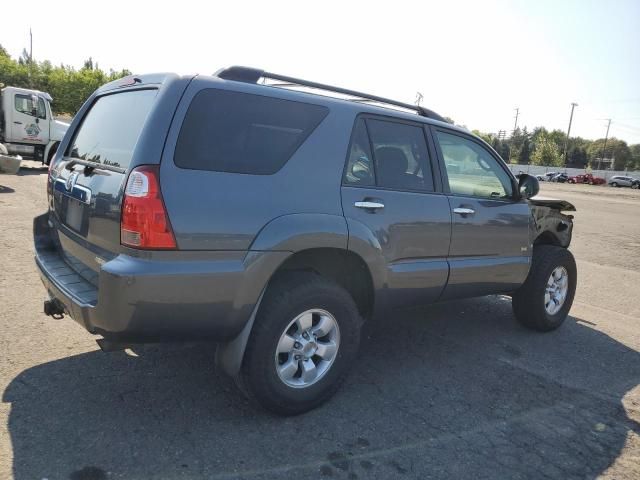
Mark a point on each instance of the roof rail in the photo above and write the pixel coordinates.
(253, 75)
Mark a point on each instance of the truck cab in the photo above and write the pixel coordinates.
(27, 125)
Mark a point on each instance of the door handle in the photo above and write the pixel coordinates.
(464, 211)
(369, 205)
(18, 123)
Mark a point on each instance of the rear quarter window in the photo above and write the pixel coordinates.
(236, 132)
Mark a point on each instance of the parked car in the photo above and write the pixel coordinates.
(546, 177)
(623, 181)
(587, 178)
(276, 221)
(559, 178)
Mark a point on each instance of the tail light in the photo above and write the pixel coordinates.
(144, 222)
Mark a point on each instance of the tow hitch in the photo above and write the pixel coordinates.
(54, 308)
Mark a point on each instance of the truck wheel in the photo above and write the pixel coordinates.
(543, 302)
(3, 150)
(52, 152)
(303, 343)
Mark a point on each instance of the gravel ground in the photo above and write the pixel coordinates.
(456, 390)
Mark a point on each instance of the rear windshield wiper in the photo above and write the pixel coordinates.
(93, 165)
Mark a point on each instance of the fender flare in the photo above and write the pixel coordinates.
(290, 233)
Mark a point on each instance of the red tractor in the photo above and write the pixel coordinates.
(587, 178)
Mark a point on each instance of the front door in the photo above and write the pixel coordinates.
(388, 190)
(25, 126)
(490, 241)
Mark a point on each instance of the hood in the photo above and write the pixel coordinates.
(58, 129)
(554, 203)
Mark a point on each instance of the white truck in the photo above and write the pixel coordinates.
(27, 126)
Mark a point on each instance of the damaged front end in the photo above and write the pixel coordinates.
(550, 225)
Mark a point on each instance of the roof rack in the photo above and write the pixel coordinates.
(253, 75)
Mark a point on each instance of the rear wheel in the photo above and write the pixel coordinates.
(543, 302)
(614, 184)
(304, 342)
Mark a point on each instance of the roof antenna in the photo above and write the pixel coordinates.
(419, 98)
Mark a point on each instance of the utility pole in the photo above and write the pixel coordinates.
(566, 142)
(30, 58)
(515, 126)
(604, 147)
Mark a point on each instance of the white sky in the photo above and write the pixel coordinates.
(473, 61)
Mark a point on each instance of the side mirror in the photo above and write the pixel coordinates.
(528, 185)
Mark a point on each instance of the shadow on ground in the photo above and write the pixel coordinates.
(5, 189)
(453, 391)
(40, 170)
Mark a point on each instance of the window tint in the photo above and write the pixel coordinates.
(471, 169)
(360, 164)
(110, 130)
(401, 156)
(243, 133)
(24, 104)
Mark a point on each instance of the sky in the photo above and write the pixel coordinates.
(474, 61)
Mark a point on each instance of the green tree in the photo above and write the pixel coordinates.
(616, 149)
(68, 87)
(546, 152)
(635, 156)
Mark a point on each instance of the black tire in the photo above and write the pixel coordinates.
(614, 184)
(287, 298)
(52, 152)
(529, 299)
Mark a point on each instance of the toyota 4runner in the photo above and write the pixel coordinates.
(274, 215)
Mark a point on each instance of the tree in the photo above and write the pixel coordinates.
(546, 152)
(616, 149)
(635, 156)
(68, 87)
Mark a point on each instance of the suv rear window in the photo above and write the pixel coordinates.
(110, 130)
(235, 132)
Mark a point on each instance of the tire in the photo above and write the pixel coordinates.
(529, 301)
(52, 152)
(3, 150)
(635, 185)
(285, 301)
(614, 184)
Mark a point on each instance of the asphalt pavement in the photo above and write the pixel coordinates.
(456, 390)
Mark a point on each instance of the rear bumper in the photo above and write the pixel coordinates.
(158, 296)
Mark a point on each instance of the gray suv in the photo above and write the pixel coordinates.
(274, 216)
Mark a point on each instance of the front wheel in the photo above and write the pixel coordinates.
(303, 344)
(543, 302)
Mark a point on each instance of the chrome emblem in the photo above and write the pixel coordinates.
(71, 181)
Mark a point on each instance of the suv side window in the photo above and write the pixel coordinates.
(235, 132)
(401, 156)
(471, 169)
(360, 162)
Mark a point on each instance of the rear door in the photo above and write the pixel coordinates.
(490, 240)
(388, 186)
(87, 184)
